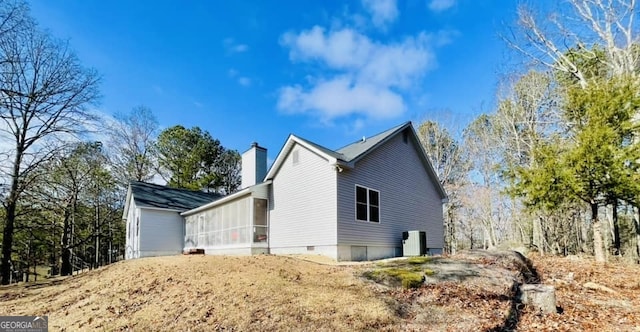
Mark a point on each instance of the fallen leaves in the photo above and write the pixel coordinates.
(468, 292)
(590, 296)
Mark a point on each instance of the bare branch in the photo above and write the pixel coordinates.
(584, 23)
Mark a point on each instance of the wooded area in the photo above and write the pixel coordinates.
(63, 188)
(554, 167)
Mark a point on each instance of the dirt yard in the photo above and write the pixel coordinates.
(468, 292)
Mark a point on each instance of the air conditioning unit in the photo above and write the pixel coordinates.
(414, 243)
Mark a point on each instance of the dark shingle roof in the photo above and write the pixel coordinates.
(327, 151)
(154, 195)
(354, 150)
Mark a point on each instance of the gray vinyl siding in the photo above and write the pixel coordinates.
(161, 232)
(303, 204)
(409, 199)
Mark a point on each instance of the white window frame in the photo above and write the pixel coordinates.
(355, 205)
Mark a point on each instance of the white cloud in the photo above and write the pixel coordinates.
(240, 48)
(399, 65)
(362, 77)
(342, 49)
(382, 12)
(441, 5)
(244, 81)
(231, 46)
(395, 64)
(339, 97)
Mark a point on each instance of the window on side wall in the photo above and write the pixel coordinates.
(367, 204)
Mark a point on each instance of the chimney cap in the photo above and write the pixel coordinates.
(256, 146)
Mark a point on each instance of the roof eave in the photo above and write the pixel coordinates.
(423, 155)
(243, 192)
(432, 173)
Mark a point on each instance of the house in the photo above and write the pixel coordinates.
(154, 211)
(353, 203)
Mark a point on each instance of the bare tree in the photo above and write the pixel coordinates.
(14, 19)
(527, 114)
(563, 39)
(446, 156)
(480, 144)
(44, 92)
(131, 140)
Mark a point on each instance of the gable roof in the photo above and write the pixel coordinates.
(348, 155)
(156, 196)
(358, 149)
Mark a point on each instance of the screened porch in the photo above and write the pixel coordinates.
(237, 223)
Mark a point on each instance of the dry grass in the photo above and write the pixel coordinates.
(468, 292)
(204, 293)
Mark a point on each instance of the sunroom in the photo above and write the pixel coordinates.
(234, 225)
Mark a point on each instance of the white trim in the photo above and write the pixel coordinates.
(158, 209)
(125, 212)
(288, 146)
(355, 205)
(241, 193)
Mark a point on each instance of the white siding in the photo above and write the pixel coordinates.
(132, 239)
(161, 232)
(409, 199)
(303, 206)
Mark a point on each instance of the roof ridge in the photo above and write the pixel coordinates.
(172, 188)
(392, 129)
(356, 149)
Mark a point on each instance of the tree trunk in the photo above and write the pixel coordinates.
(449, 229)
(53, 264)
(616, 230)
(452, 234)
(637, 224)
(584, 233)
(10, 209)
(7, 241)
(66, 269)
(597, 235)
(97, 232)
(537, 235)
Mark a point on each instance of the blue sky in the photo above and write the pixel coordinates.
(329, 71)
